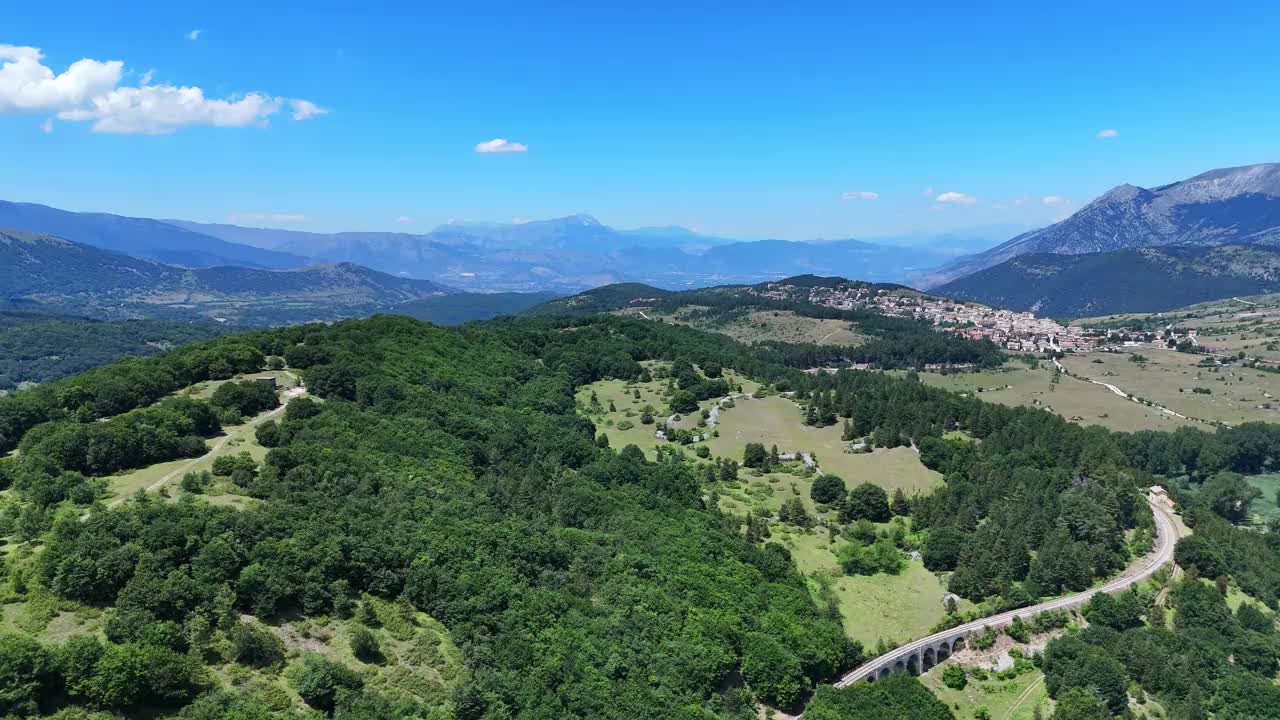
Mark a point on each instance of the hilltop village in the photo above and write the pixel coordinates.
(1014, 331)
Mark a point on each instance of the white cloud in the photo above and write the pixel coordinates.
(28, 86)
(305, 109)
(937, 208)
(860, 195)
(404, 219)
(1108, 133)
(1021, 201)
(47, 126)
(519, 220)
(194, 34)
(253, 217)
(957, 198)
(1054, 200)
(501, 145)
(1000, 206)
(90, 91)
(162, 109)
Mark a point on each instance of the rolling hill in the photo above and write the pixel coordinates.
(1149, 279)
(1239, 205)
(77, 278)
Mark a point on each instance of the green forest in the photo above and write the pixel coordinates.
(37, 346)
(440, 482)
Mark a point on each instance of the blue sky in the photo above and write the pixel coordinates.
(740, 119)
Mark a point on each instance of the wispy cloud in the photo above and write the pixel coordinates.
(1053, 200)
(90, 91)
(928, 192)
(1108, 133)
(257, 217)
(404, 220)
(305, 109)
(956, 198)
(501, 145)
(47, 126)
(860, 195)
(194, 34)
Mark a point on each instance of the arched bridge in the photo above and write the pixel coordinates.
(920, 655)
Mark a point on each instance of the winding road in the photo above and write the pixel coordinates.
(1166, 539)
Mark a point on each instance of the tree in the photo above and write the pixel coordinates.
(793, 511)
(1229, 495)
(1079, 704)
(944, 547)
(954, 677)
(26, 674)
(254, 645)
(683, 402)
(867, 501)
(899, 506)
(321, 680)
(365, 646)
(773, 674)
(754, 456)
(827, 489)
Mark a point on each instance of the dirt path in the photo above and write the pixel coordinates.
(290, 394)
(1022, 698)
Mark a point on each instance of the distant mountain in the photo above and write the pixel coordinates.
(1149, 279)
(74, 277)
(570, 254)
(1238, 205)
(141, 238)
(459, 308)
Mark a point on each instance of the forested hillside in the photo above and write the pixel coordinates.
(442, 478)
(38, 346)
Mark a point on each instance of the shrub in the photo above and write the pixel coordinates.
(954, 677)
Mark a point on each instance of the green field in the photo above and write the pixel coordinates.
(1167, 377)
(1265, 507)
(777, 421)
(775, 325)
(1081, 402)
(1014, 699)
(895, 608)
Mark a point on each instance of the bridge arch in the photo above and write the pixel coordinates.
(929, 659)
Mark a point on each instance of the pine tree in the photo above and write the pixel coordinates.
(899, 504)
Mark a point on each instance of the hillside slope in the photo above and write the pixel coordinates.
(1134, 280)
(73, 277)
(1238, 205)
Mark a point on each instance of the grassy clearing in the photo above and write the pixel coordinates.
(419, 659)
(1236, 394)
(761, 325)
(1265, 507)
(1085, 403)
(777, 421)
(233, 439)
(895, 608)
(622, 424)
(1014, 699)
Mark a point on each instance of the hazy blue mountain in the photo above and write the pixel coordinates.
(77, 278)
(569, 254)
(1148, 279)
(1230, 205)
(141, 237)
(459, 308)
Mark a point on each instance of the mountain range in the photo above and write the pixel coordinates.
(1239, 205)
(74, 277)
(1145, 279)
